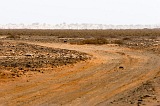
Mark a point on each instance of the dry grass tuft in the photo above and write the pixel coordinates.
(98, 41)
(13, 36)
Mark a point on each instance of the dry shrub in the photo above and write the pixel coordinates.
(120, 42)
(126, 38)
(98, 41)
(153, 37)
(13, 36)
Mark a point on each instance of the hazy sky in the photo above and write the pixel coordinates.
(80, 11)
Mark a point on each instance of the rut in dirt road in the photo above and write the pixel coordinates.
(111, 71)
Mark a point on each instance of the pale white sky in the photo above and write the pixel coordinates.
(80, 11)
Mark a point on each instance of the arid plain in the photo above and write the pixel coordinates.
(80, 67)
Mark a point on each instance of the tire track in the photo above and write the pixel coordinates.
(93, 83)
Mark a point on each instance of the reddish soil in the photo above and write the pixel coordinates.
(114, 76)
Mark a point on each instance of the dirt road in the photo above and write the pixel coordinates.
(112, 71)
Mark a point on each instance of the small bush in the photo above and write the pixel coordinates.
(99, 41)
(120, 42)
(126, 38)
(153, 37)
(13, 36)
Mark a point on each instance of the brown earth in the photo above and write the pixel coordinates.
(114, 76)
(17, 59)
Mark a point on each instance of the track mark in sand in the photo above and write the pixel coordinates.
(112, 71)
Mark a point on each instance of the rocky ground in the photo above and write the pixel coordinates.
(124, 74)
(147, 94)
(16, 59)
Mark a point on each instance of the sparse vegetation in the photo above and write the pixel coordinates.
(83, 33)
(84, 36)
(120, 42)
(126, 38)
(98, 41)
(67, 69)
(13, 36)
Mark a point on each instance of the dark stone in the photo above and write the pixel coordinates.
(121, 67)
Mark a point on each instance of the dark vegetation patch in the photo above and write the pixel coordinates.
(96, 41)
(13, 37)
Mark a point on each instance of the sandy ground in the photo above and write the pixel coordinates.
(111, 73)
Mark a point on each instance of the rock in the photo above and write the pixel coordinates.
(28, 55)
(121, 67)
